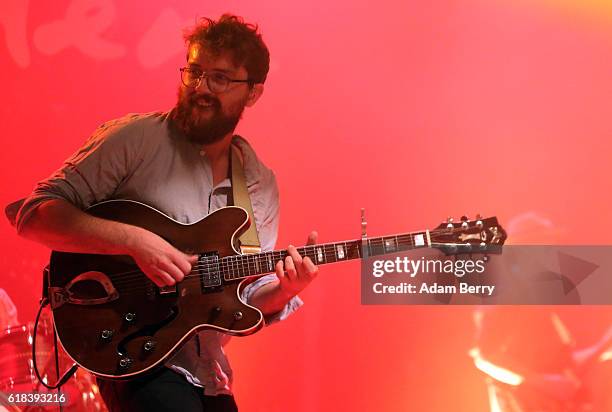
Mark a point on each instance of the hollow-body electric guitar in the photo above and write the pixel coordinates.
(116, 323)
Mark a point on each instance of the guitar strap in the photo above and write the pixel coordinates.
(249, 241)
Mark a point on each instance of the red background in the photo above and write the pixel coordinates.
(415, 110)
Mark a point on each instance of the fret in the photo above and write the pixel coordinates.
(240, 265)
(405, 244)
(313, 254)
(390, 244)
(310, 252)
(303, 251)
(339, 251)
(243, 268)
(330, 253)
(227, 266)
(377, 247)
(320, 255)
(236, 270)
(369, 248)
(234, 264)
(244, 265)
(353, 249)
(252, 266)
(254, 270)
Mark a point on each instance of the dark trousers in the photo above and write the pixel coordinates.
(164, 391)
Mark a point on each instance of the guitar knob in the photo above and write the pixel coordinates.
(106, 335)
(238, 315)
(149, 346)
(130, 317)
(217, 309)
(125, 362)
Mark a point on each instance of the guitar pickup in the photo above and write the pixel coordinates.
(209, 271)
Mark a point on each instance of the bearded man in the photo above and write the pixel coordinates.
(179, 163)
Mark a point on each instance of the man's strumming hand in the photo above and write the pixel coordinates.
(159, 260)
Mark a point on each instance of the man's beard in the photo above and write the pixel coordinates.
(187, 118)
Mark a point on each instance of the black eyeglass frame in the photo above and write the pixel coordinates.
(207, 76)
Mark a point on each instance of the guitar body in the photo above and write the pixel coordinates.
(114, 322)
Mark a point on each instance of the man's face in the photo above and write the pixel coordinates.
(206, 117)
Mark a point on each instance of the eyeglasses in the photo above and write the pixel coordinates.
(216, 82)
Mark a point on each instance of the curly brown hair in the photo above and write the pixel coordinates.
(231, 34)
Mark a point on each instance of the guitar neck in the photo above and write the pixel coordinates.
(242, 266)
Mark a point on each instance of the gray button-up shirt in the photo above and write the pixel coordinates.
(137, 157)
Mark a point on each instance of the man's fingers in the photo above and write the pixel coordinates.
(310, 268)
(290, 268)
(295, 256)
(280, 270)
(162, 278)
(183, 263)
(171, 269)
(159, 282)
(192, 259)
(312, 238)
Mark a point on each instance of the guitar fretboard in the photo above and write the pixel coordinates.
(241, 266)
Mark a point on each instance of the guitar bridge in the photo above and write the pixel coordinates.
(59, 296)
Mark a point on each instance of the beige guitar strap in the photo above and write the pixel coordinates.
(249, 241)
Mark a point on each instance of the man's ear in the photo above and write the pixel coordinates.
(254, 94)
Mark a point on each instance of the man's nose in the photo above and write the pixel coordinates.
(203, 86)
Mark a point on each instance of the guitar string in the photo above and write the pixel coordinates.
(198, 276)
(232, 267)
(226, 266)
(239, 264)
(139, 286)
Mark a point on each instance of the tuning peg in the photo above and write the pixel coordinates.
(449, 222)
(479, 221)
(464, 218)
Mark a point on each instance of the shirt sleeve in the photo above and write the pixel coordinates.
(268, 233)
(291, 306)
(93, 173)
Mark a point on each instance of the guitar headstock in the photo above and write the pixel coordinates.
(481, 235)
